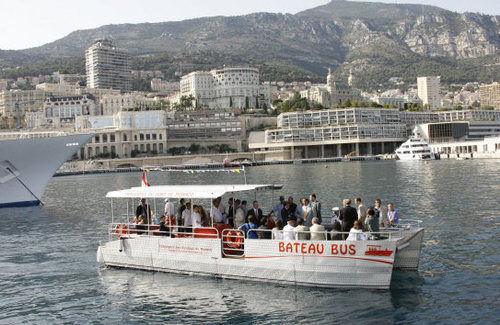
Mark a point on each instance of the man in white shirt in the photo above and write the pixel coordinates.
(169, 208)
(239, 214)
(288, 233)
(361, 211)
(308, 211)
(215, 213)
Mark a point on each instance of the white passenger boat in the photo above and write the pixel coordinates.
(415, 148)
(227, 253)
(29, 159)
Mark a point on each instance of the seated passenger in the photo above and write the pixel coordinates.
(265, 233)
(288, 233)
(278, 231)
(164, 229)
(301, 232)
(246, 227)
(336, 232)
(356, 232)
(317, 231)
(372, 222)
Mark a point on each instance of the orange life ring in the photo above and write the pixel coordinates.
(234, 239)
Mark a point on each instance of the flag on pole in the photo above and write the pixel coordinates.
(144, 180)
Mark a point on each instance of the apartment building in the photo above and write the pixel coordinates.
(107, 66)
(429, 91)
(490, 95)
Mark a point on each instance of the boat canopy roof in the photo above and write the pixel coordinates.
(189, 191)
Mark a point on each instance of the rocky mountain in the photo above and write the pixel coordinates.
(376, 41)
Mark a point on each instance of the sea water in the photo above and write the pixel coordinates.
(49, 272)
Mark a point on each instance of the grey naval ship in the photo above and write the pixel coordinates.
(29, 159)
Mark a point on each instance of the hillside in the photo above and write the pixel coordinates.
(376, 41)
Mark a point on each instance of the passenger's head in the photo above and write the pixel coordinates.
(300, 221)
(230, 201)
(347, 202)
(377, 203)
(244, 203)
(282, 199)
(162, 219)
(188, 205)
(357, 225)
(182, 201)
(290, 200)
(279, 224)
(237, 203)
(337, 226)
(143, 201)
(306, 201)
(196, 208)
(370, 211)
(312, 197)
(291, 222)
(216, 202)
(255, 204)
(390, 206)
(251, 219)
(336, 211)
(315, 221)
(357, 200)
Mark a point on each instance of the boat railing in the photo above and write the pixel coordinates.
(388, 233)
(409, 224)
(130, 230)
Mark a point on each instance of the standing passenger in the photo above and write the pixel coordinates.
(278, 208)
(393, 215)
(348, 215)
(336, 215)
(361, 211)
(256, 212)
(230, 212)
(196, 217)
(186, 218)
(308, 212)
(239, 214)
(169, 211)
(382, 214)
(316, 205)
(180, 209)
(215, 213)
(372, 223)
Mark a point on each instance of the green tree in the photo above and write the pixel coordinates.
(194, 148)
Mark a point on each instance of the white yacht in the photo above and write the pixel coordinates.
(415, 148)
(29, 159)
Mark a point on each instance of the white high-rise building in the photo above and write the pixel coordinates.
(428, 91)
(107, 66)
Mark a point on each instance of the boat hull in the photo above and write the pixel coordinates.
(409, 249)
(26, 166)
(313, 263)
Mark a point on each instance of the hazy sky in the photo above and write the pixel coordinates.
(29, 23)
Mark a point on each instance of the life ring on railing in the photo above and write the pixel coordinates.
(234, 239)
(121, 229)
